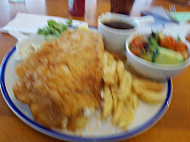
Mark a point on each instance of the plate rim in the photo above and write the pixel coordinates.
(69, 137)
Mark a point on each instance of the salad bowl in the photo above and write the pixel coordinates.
(155, 70)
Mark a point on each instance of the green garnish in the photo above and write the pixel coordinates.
(178, 38)
(154, 42)
(54, 29)
(155, 54)
(69, 22)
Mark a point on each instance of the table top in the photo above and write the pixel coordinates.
(174, 126)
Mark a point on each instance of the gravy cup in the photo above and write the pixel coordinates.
(114, 39)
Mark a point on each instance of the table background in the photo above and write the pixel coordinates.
(174, 126)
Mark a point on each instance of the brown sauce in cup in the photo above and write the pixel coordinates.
(118, 25)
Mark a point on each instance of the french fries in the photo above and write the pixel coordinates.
(118, 112)
(135, 102)
(117, 90)
(108, 102)
(151, 97)
(120, 69)
(145, 84)
(122, 92)
(126, 118)
(125, 85)
(109, 70)
(114, 92)
(148, 91)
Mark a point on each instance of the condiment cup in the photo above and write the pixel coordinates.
(154, 70)
(114, 39)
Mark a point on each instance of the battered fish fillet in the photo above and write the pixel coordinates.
(62, 78)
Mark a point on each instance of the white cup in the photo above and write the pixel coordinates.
(114, 39)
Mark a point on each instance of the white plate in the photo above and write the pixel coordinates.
(146, 115)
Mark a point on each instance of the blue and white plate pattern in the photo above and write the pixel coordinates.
(146, 115)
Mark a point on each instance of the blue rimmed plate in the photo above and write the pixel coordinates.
(146, 115)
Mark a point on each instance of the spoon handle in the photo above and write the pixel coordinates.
(144, 20)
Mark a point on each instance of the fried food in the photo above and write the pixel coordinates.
(126, 90)
(126, 118)
(118, 112)
(109, 69)
(125, 85)
(62, 78)
(152, 97)
(120, 101)
(108, 102)
(118, 56)
(135, 101)
(148, 91)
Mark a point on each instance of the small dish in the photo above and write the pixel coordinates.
(154, 70)
(114, 39)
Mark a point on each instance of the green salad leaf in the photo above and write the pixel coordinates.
(54, 29)
(155, 54)
(178, 38)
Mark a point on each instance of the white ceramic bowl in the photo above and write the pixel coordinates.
(114, 39)
(153, 70)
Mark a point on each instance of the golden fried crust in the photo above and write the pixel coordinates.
(62, 78)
